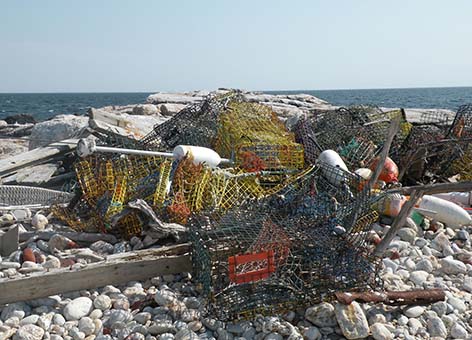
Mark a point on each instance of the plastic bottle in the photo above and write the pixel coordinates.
(461, 198)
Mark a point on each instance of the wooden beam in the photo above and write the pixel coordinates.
(392, 131)
(74, 236)
(438, 188)
(36, 156)
(116, 269)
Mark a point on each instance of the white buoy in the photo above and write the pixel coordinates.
(444, 211)
(336, 172)
(199, 154)
(364, 173)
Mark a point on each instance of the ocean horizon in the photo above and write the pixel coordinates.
(43, 106)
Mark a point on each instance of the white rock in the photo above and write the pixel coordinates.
(457, 304)
(178, 98)
(52, 262)
(380, 332)
(164, 297)
(119, 315)
(467, 285)
(419, 277)
(352, 320)
(143, 317)
(321, 315)
(32, 319)
(451, 266)
(29, 332)
(102, 302)
(458, 332)
(7, 219)
(407, 235)
(86, 325)
(58, 319)
(59, 128)
(45, 321)
(78, 308)
(170, 109)
(145, 109)
(39, 221)
(413, 312)
(436, 327)
(425, 265)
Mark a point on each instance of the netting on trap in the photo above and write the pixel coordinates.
(194, 125)
(18, 195)
(433, 151)
(197, 188)
(357, 133)
(253, 136)
(293, 248)
(108, 183)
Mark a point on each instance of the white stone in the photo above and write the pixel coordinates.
(413, 312)
(457, 304)
(30, 320)
(321, 315)
(102, 302)
(57, 129)
(451, 266)
(29, 332)
(352, 320)
(86, 325)
(407, 235)
(39, 221)
(467, 285)
(436, 327)
(380, 332)
(58, 319)
(458, 332)
(143, 317)
(145, 109)
(119, 315)
(425, 265)
(78, 308)
(419, 277)
(164, 297)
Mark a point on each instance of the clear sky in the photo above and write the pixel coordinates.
(150, 45)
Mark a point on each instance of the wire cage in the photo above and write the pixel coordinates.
(107, 184)
(290, 249)
(437, 148)
(194, 125)
(356, 133)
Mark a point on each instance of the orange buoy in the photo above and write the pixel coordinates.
(389, 172)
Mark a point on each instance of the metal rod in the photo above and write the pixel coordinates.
(133, 152)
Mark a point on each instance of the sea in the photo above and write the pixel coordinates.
(43, 106)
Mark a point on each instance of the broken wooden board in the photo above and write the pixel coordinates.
(9, 241)
(116, 269)
(74, 236)
(36, 156)
(35, 175)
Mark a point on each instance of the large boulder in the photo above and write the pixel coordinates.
(176, 98)
(20, 119)
(145, 110)
(59, 128)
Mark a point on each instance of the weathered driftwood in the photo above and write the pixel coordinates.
(413, 297)
(35, 175)
(9, 241)
(36, 156)
(438, 188)
(392, 131)
(116, 269)
(74, 236)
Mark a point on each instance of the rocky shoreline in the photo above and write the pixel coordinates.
(423, 255)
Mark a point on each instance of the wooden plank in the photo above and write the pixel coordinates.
(36, 156)
(438, 188)
(74, 236)
(35, 175)
(9, 241)
(116, 269)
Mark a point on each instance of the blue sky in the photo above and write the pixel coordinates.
(118, 45)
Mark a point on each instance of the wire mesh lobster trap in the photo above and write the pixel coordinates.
(437, 148)
(194, 125)
(290, 249)
(107, 184)
(356, 133)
